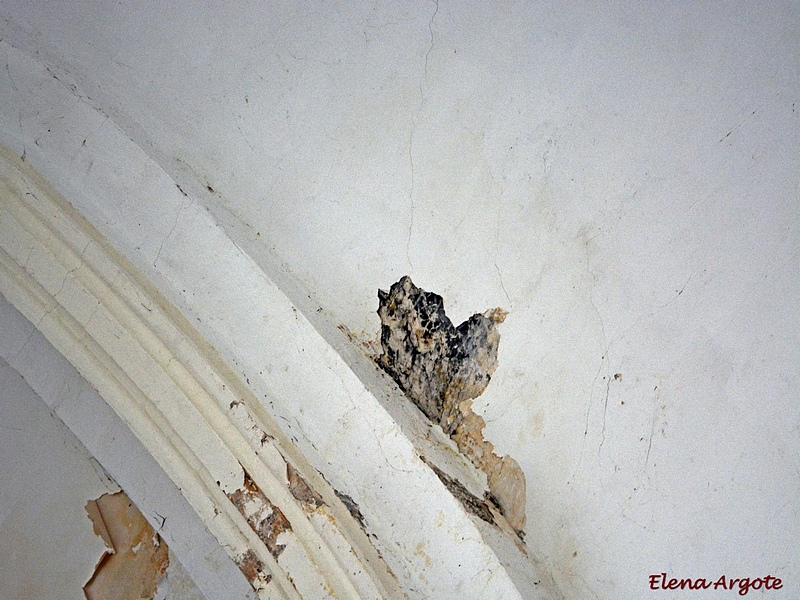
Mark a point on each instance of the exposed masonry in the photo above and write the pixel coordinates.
(268, 521)
(254, 570)
(442, 368)
(265, 518)
(308, 498)
(352, 507)
(480, 507)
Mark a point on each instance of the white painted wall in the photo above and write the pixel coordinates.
(47, 546)
(623, 180)
(59, 441)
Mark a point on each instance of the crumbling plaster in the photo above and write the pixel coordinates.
(97, 441)
(181, 399)
(47, 478)
(623, 180)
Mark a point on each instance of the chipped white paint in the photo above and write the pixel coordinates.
(121, 349)
(330, 415)
(47, 478)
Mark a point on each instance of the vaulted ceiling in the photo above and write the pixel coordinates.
(200, 204)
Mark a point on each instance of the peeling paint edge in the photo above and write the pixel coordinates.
(56, 230)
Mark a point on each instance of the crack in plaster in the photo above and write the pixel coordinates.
(71, 271)
(414, 118)
(603, 363)
(652, 432)
(10, 77)
(497, 246)
(181, 208)
(605, 411)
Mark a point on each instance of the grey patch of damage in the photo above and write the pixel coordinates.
(442, 368)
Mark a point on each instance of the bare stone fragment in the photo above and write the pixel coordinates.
(309, 499)
(442, 368)
(480, 507)
(264, 518)
(351, 506)
(254, 570)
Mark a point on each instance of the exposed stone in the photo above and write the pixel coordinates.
(480, 507)
(351, 506)
(309, 499)
(254, 570)
(442, 368)
(264, 518)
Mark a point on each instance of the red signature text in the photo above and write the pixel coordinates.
(659, 581)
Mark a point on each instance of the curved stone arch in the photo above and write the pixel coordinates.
(206, 428)
(176, 396)
(225, 379)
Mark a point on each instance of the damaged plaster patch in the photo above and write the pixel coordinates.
(264, 518)
(254, 570)
(137, 557)
(308, 498)
(351, 506)
(442, 368)
(479, 507)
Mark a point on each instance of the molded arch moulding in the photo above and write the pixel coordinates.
(337, 503)
(178, 398)
(298, 457)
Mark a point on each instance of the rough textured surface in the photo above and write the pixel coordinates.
(435, 363)
(351, 506)
(442, 368)
(265, 518)
(480, 507)
(254, 569)
(309, 499)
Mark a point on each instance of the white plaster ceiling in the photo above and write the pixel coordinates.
(623, 180)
